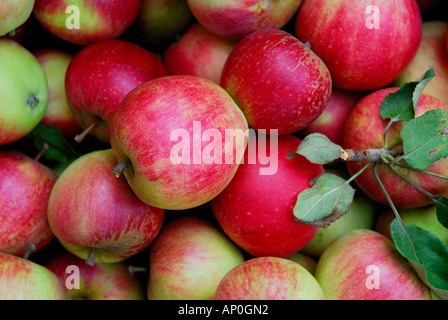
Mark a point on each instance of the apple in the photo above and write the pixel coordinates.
(99, 77)
(432, 52)
(256, 210)
(23, 91)
(86, 22)
(277, 81)
(269, 278)
(304, 260)
(103, 281)
(198, 53)
(361, 215)
(365, 129)
(332, 120)
(364, 265)
(159, 22)
(188, 260)
(234, 19)
(23, 279)
(180, 137)
(55, 63)
(365, 45)
(96, 216)
(25, 187)
(13, 14)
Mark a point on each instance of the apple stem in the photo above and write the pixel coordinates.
(91, 257)
(370, 155)
(119, 168)
(42, 151)
(33, 101)
(80, 137)
(134, 269)
(29, 250)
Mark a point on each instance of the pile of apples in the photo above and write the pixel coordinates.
(135, 214)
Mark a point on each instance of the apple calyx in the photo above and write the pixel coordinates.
(119, 168)
(80, 137)
(33, 101)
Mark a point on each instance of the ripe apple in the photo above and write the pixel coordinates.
(25, 187)
(256, 210)
(198, 53)
(103, 281)
(86, 21)
(365, 129)
(332, 120)
(55, 63)
(432, 52)
(269, 278)
(23, 91)
(95, 215)
(188, 260)
(164, 128)
(13, 14)
(277, 81)
(304, 260)
(365, 45)
(234, 19)
(22, 279)
(364, 265)
(100, 76)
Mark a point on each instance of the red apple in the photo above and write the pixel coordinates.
(234, 19)
(178, 133)
(277, 81)
(55, 63)
(100, 76)
(365, 129)
(365, 265)
(188, 260)
(13, 14)
(86, 21)
(103, 281)
(25, 187)
(96, 215)
(365, 45)
(432, 52)
(269, 278)
(256, 210)
(198, 53)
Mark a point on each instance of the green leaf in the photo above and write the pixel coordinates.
(327, 200)
(52, 138)
(441, 204)
(317, 148)
(400, 105)
(430, 258)
(425, 139)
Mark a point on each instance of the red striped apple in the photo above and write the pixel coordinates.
(13, 14)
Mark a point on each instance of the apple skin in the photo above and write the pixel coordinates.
(90, 208)
(259, 220)
(55, 63)
(141, 132)
(269, 278)
(432, 52)
(364, 130)
(98, 20)
(25, 187)
(100, 76)
(235, 19)
(378, 56)
(188, 260)
(277, 81)
(103, 281)
(304, 260)
(13, 14)
(198, 53)
(342, 270)
(23, 91)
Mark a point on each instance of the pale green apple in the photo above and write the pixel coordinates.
(13, 14)
(23, 91)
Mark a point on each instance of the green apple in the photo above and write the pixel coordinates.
(13, 14)
(23, 91)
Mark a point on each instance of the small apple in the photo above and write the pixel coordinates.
(364, 265)
(25, 187)
(198, 53)
(269, 278)
(22, 279)
(23, 91)
(188, 260)
(86, 21)
(13, 14)
(96, 216)
(277, 81)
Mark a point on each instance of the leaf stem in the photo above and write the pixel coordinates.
(429, 173)
(357, 174)
(426, 193)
